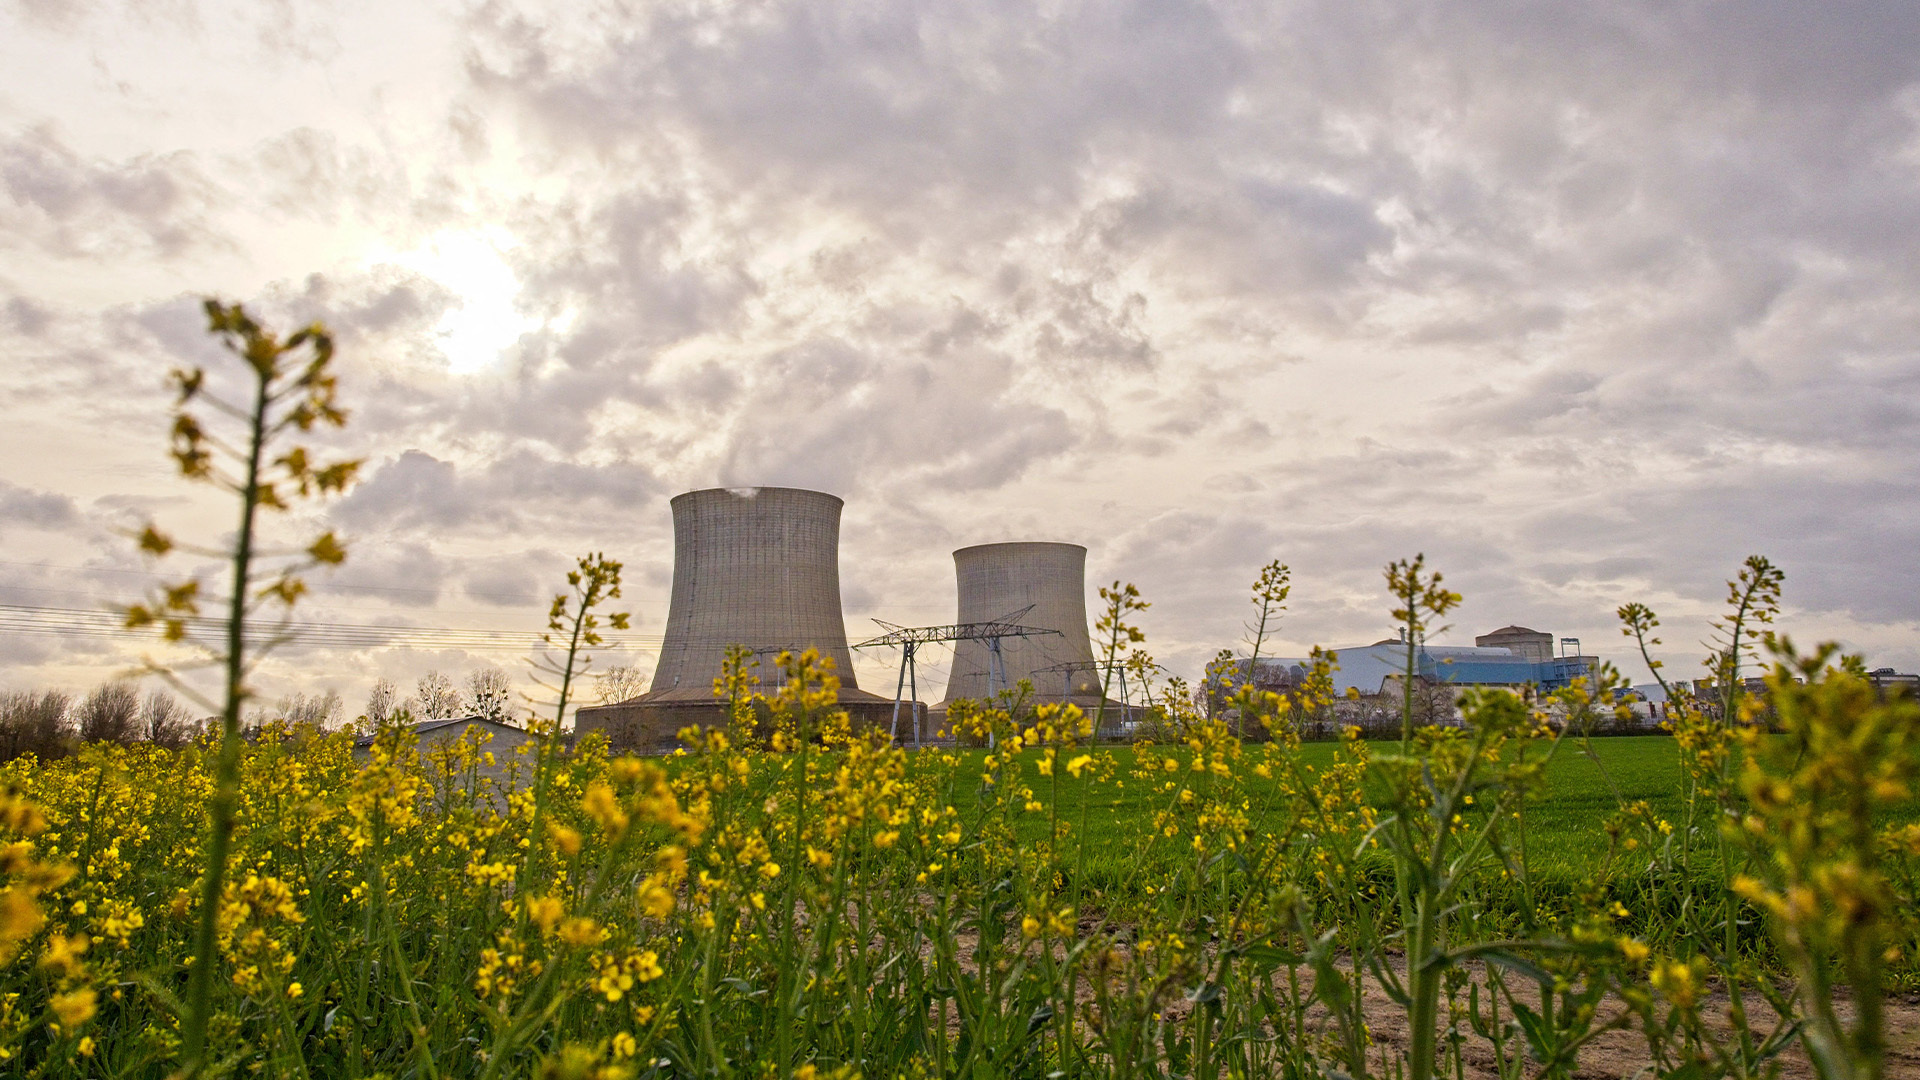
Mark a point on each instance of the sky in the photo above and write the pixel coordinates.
(1585, 302)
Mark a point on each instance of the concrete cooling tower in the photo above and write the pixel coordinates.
(996, 580)
(756, 567)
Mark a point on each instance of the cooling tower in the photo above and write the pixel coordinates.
(756, 567)
(996, 580)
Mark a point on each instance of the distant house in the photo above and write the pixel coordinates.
(467, 755)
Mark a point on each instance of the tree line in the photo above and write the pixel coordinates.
(51, 723)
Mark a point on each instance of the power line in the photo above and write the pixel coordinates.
(95, 623)
(81, 622)
(320, 585)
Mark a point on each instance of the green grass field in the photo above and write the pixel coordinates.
(1565, 829)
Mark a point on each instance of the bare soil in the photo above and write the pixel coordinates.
(1622, 1053)
(1619, 1054)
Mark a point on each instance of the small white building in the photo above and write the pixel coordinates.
(466, 756)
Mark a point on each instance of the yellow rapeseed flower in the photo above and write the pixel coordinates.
(1679, 983)
(545, 912)
(75, 1007)
(567, 840)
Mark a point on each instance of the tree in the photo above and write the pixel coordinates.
(164, 721)
(109, 713)
(382, 702)
(488, 694)
(434, 697)
(318, 711)
(618, 684)
(34, 723)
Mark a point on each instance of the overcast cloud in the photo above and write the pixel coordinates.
(1587, 302)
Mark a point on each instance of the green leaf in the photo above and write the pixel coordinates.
(1272, 955)
(1503, 956)
(1535, 1029)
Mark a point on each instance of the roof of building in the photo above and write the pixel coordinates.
(702, 696)
(424, 727)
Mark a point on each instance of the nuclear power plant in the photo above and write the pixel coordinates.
(757, 568)
(1048, 581)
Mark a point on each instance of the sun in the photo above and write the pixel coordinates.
(484, 322)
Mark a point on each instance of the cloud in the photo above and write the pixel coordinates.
(518, 580)
(413, 491)
(417, 492)
(1585, 302)
(36, 509)
(26, 317)
(314, 174)
(73, 207)
(403, 573)
(828, 415)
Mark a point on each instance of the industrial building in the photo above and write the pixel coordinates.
(752, 567)
(1533, 645)
(1048, 581)
(1886, 680)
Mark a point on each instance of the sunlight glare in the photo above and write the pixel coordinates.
(471, 265)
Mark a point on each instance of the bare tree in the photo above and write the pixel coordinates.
(382, 703)
(320, 711)
(164, 721)
(619, 684)
(109, 713)
(488, 694)
(434, 697)
(34, 723)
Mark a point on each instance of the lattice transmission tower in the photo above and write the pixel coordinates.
(910, 638)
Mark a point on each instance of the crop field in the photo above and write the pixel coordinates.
(806, 902)
(790, 898)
